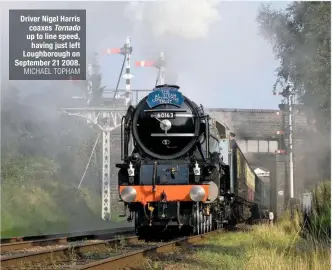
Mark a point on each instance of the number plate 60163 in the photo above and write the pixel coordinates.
(164, 115)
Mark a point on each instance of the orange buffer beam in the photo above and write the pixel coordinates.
(173, 193)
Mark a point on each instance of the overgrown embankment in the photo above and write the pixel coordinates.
(265, 247)
(317, 224)
(287, 245)
(43, 156)
(34, 200)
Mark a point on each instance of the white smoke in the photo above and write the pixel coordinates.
(170, 26)
(185, 18)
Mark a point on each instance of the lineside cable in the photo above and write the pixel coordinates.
(87, 165)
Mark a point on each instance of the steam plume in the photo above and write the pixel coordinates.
(168, 25)
(186, 18)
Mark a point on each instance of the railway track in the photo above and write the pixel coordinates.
(65, 256)
(134, 257)
(22, 243)
(72, 235)
(16, 251)
(115, 253)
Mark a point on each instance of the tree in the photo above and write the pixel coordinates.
(96, 80)
(301, 39)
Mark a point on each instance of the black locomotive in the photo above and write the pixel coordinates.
(184, 171)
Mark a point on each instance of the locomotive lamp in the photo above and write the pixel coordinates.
(131, 173)
(128, 194)
(131, 170)
(197, 170)
(165, 125)
(135, 158)
(173, 170)
(197, 193)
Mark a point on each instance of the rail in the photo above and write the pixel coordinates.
(119, 253)
(49, 255)
(71, 235)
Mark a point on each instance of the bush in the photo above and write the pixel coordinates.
(317, 222)
(35, 201)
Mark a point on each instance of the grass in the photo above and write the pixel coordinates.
(54, 208)
(318, 222)
(34, 201)
(287, 245)
(265, 247)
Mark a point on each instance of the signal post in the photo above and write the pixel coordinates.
(288, 94)
(106, 119)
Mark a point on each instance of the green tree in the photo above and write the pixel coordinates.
(301, 39)
(96, 79)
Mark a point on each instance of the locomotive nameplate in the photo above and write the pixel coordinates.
(166, 95)
(164, 115)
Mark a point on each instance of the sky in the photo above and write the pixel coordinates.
(212, 48)
(231, 67)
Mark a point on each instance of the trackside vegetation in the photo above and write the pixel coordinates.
(35, 201)
(288, 244)
(43, 156)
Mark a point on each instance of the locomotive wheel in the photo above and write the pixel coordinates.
(195, 223)
(210, 223)
(204, 223)
(136, 222)
(207, 224)
(201, 222)
(199, 228)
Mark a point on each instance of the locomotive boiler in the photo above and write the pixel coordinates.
(182, 171)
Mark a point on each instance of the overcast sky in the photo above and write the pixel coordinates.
(213, 49)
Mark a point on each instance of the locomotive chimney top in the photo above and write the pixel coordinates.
(168, 85)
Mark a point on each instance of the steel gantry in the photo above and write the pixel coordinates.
(108, 118)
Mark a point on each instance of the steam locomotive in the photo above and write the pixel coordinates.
(185, 171)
